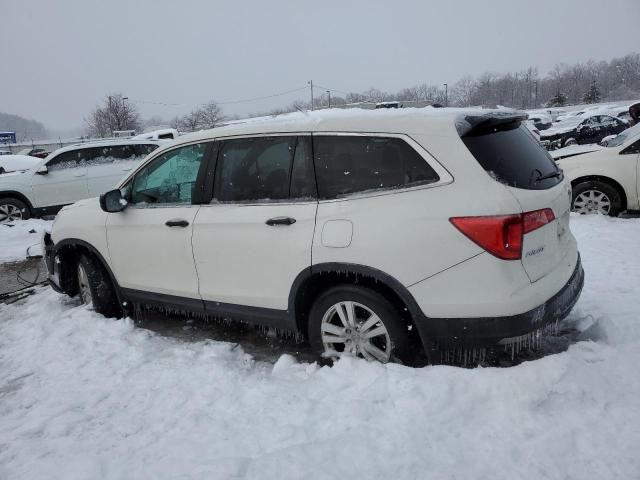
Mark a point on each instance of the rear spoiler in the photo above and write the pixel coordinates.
(485, 122)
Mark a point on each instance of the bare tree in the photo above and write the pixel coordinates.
(116, 113)
(211, 115)
(463, 91)
(191, 121)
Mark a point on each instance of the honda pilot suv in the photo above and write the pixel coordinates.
(370, 233)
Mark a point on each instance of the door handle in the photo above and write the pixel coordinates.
(280, 221)
(176, 223)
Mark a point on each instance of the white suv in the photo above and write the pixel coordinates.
(605, 178)
(369, 232)
(69, 174)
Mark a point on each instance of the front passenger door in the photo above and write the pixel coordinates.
(65, 180)
(150, 241)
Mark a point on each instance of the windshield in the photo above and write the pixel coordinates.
(622, 138)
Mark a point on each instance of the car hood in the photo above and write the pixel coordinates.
(574, 150)
(549, 132)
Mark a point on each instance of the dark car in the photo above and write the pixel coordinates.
(581, 129)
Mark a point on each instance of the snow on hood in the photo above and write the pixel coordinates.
(14, 163)
(575, 150)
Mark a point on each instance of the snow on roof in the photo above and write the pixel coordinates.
(441, 121)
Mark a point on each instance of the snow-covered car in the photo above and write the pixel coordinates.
(542, 121)
(353, 229)
(14, 163)
(67, 175)
(605, 179)
(590, 127)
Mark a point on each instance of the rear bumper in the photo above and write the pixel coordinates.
(486, 331)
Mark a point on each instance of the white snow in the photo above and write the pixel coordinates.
(86, 397)
(17, 237)
(13, 163)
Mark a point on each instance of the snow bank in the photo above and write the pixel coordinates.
(17, 237)
(86, 397)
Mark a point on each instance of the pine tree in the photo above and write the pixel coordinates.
(558, 100)
(593, 94)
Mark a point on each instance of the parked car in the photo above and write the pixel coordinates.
(606, 180)
(352, 228)
(542, 121)
(69, 174)
(34, 152)
(581, 129)
(14, 163)
(5, 152)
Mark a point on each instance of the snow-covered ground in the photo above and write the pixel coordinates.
(16, 238)
(86, 397)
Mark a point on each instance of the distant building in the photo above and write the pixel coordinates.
(7, 137)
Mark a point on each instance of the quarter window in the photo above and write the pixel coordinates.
(170, 178)
(350, 164)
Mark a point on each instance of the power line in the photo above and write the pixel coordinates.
(226, 102)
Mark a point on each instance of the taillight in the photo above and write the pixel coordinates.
(502, 235)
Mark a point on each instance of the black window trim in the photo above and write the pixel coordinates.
(445, 177)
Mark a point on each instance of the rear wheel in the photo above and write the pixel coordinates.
(360, 322)
(12, 209)
(596, 197)
(95, 287)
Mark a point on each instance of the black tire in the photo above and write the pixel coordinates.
(103, 296)
(401, 350)
(615, 199)
(570, 141)
(8, 205)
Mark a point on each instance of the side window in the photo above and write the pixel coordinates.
(144, 150)
(70, 159)
(170, 178)
(103, 155)
(303, 179)
(350, 164)
(254, 169)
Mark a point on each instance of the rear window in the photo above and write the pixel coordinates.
(511, 155)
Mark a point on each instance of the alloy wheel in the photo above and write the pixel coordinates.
(83, 285)
(350, 327)
(592, 201)
(9, 213)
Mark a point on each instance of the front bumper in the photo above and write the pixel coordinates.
(454, 332)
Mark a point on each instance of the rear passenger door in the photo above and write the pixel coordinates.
(111, 163)
(255, 237)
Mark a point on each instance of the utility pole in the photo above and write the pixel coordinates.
(311, 85)
(446, 95)
(329, 94)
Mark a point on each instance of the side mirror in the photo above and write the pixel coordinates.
(43, 170)
(112, 201)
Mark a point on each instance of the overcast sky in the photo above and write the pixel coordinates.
(60, 58)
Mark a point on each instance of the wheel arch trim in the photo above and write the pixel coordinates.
(76, 242)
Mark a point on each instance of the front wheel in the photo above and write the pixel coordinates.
(360, 322)
(570, 141)
(596, 197)
(95, 287)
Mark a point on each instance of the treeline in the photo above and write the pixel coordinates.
(26, 130)
(565, 84)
